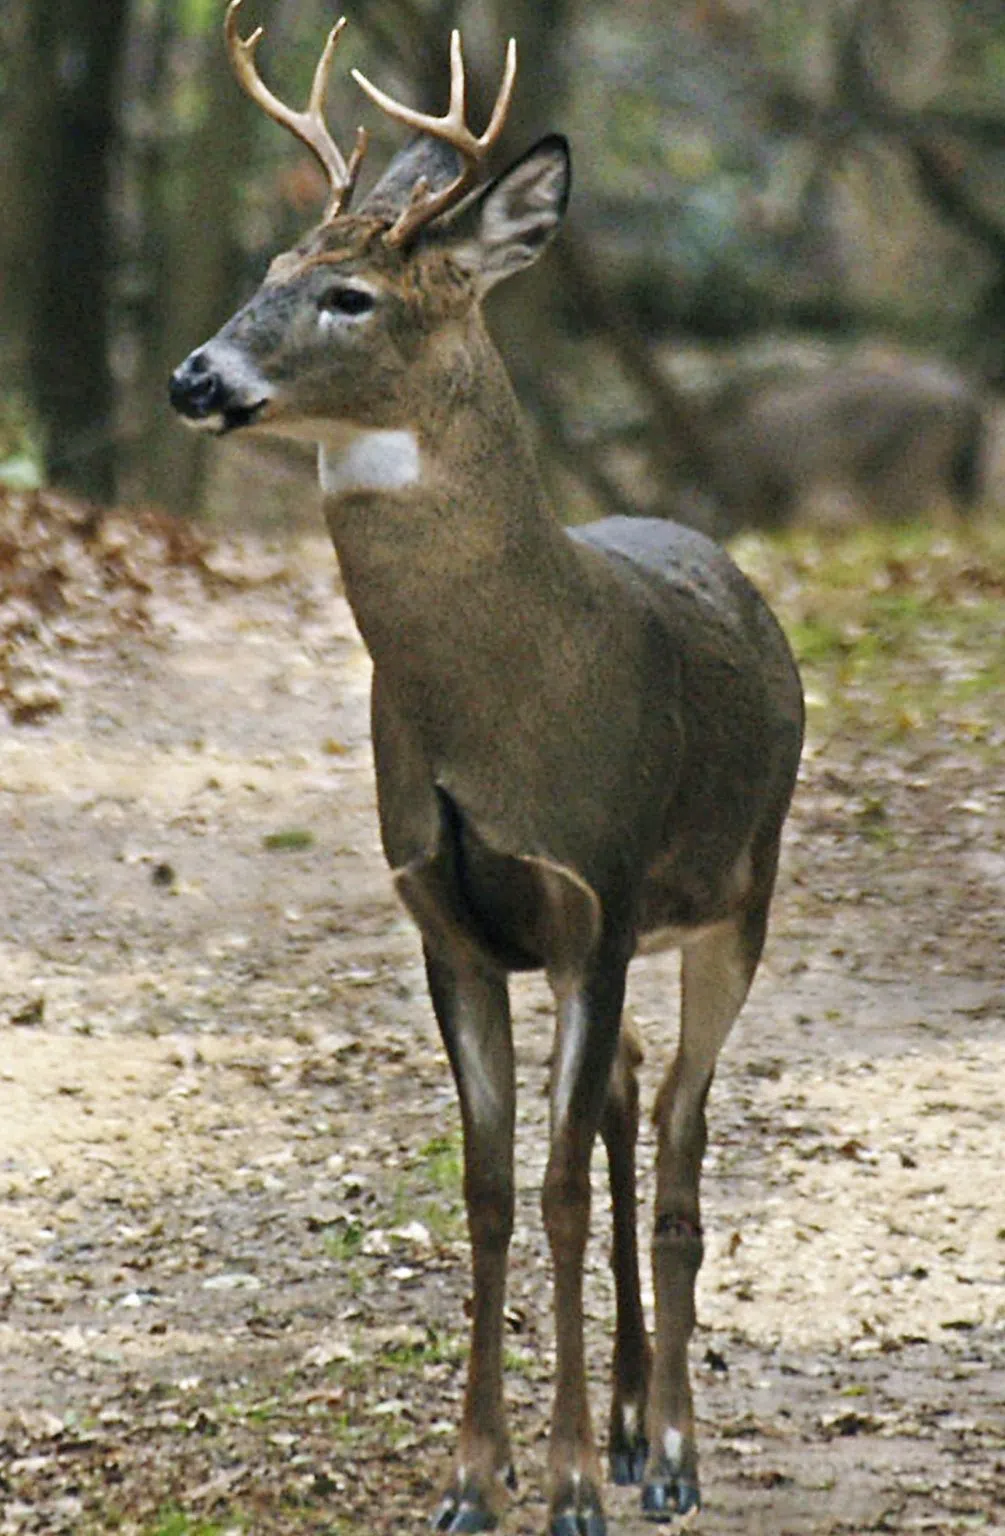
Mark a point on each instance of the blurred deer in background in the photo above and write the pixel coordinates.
(893, 439)
(585, 740)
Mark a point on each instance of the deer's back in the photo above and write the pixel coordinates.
(701, 597)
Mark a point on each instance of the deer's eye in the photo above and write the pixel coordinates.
(343, 300)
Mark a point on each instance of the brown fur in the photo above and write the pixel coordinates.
(580, 739)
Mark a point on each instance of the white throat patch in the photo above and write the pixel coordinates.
(371, 461)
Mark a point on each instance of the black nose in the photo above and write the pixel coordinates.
(196, 390)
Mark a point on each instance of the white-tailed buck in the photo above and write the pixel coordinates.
(585, 741)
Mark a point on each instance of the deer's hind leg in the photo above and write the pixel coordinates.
(627, 1446)
(716, 971)
(472, 1010)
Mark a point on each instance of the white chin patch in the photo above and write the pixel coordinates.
(370, 461)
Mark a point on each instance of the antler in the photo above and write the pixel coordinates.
(310, 126)
(424, 206)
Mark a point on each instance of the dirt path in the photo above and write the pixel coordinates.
(233, 1256)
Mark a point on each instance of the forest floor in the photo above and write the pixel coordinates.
(234, 1269)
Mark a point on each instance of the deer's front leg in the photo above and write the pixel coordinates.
(472, 1009)
(588, 1022)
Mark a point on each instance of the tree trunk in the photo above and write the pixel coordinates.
(19, 241)
(74, 49)
(188, 188)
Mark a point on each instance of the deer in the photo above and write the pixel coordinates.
(585, 742)
(890, 436)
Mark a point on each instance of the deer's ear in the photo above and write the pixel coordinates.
(508, 225)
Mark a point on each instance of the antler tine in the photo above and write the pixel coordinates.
(310, 126)
(424, 206)
(456, 110)
(501, 109)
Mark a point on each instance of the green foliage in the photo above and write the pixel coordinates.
(200, 16)
(793, 35)
(22, 465)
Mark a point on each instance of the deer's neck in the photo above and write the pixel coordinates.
(443, 531)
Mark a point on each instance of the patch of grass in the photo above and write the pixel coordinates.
(175, 1522)
(895, 629)
(265, 1411)
(445, 1219)
(522, 1362)
(873, 820)
(289, 840)
(816, 641)
(344, 1241)
(441, 1162)
(434, 1349)
(432, 1189)
(344, 1430)
(440, 1210)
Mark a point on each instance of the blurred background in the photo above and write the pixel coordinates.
(781, 291)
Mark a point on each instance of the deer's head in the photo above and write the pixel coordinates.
(347, 326)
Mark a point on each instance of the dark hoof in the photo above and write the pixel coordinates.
(629, 1464)
(587, 1522)
(665, 1499)
(576, 1509)
(464, 1508)
(460, 1516)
